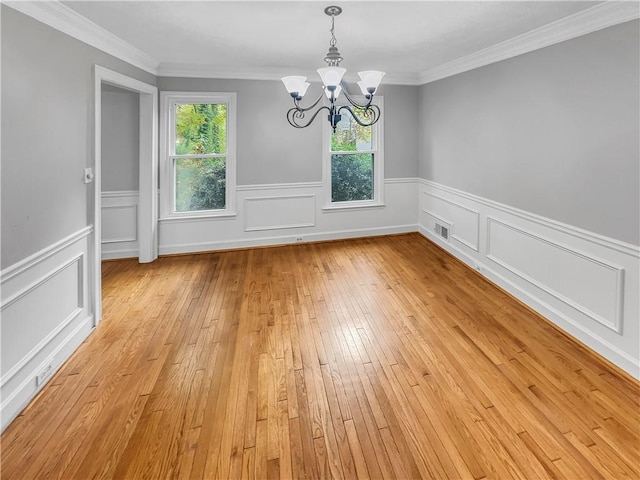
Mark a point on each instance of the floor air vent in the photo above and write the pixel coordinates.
(442, 231)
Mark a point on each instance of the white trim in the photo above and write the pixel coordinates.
(131, 238)
(596, 18)
(377, 150)
(277, 186)
(608, 324)
(35, 350)
(167, 100)
(57, 15)
(623, 247)
(575, 329)
(615, 325)
(247, 228)
(266, 73)
(390, 181)
(32, 286)
(38, 257)
(64, 19)
(148, 185)
(198, 218)
(120, 194)
(283, 240)
(68, 345)
(455, 237)
(119, 254)
(364, 205)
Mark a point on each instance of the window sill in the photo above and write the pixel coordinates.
(352, 206)
(198, 218)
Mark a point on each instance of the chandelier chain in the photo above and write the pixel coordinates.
(333, 41)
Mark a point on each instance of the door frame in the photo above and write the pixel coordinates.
(148, 178)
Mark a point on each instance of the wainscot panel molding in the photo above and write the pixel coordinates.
(598, 295)
(585, 283)
(277, 214)
(119, 212)
(45, 317)
(467, 230)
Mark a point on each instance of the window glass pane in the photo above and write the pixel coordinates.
(201, 128)
(200, 184)
(351, 177)
(350, 136)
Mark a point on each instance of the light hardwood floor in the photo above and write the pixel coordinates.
(369, 358)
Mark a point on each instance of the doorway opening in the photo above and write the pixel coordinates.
(147, 185)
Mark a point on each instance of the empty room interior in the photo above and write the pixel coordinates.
(365, 239)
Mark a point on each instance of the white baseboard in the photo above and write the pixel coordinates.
(283, 240)
(585, 283)
(119, 254)
(45, 317)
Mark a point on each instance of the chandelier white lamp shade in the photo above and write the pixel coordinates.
(296, 86)
(332, 85)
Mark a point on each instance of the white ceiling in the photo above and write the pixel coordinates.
(405, 39)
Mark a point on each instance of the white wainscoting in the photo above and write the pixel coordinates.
(585, 283)
(119, 224)
(278, 214)
(45, 317)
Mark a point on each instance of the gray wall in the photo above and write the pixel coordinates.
(120, 139)
(47, 122)
(554, 132)
(272, 151)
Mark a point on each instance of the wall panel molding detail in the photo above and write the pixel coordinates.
(279, 212)
(37, 258)
(45, 317)
(466, 228)
(608, 242)
(599, 280)
(121, 222)
(585, 283)
(119, 212)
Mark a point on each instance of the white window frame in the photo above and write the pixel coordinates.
(377, 138)
(168, 101)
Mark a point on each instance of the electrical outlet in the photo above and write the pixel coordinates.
(44, 374)
(299, 239)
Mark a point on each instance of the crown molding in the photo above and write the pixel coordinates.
(60, 17)
(265, 73)
(587, 21)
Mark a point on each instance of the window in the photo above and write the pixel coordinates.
(353, 165)
(198, 154)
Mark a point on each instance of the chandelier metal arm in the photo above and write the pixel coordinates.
(372, 111)
(353, 102)
(296, 102)
(296, 114)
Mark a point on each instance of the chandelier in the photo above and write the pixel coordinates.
(365, 114)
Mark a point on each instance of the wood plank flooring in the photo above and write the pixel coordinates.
(369, 358)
